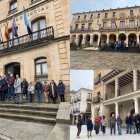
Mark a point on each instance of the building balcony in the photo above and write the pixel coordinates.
(75, 100)
(120, 28)
(97, 80)
(78, 99)
(89, 100)
(34, 1)
(81, 30)
(96, 100)
(26, 41)
(12, 11)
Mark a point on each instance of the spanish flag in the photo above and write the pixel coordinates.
(6, 33)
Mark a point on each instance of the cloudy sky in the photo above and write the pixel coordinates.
(92, 5)
(81, 79)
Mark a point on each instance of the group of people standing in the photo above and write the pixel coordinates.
(14, 89)
(100, 123)
(118, 45)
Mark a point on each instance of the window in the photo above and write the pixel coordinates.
(106, 15)
(13, 6)
(83, 26)
(85, 16)
(37, 25)
(114, 14)
(131, 13)
(41, 67)
(131, 23)
(78, 18)
(12, 39)
(76, 27)
(90, 26)
(122, 24)
(113, 24)
(105, 24)
(91, 17)
(99, 16)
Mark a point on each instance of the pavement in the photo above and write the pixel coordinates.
(19, 130)
(83, 136)
(82, 59)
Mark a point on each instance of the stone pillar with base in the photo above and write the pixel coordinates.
(107, 41)
(84, 40)
(135, 80)
(116, 87)
(77, 41)
(116, 109)
(126, 41)
(136, 103)
(91, 40)
(138, 41)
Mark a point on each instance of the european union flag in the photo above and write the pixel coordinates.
(27, 22)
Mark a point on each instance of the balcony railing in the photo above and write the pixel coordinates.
(34, 1)
(78, 99)
(13, 11)
(81, 30)
(119, 28)
(27, 41)
(97, 80)
(96, 100)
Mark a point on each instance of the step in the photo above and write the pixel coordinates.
(29, 112)
(37, 107)
(28, 118)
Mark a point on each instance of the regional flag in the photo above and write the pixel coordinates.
(14, 28)
(6, 33)
(27, 23)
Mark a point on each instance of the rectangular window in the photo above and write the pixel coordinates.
(83, 26)
(78, 18)
(105, 24)
(85, 16)
(38, 69)
(106, 15)
(91, 17)
(114, 14)
(122, 24)
(131, 13)
(90, 26)
(44, 69)
(13, 6)
(131, 23)
(113, 24)
(99, 16)
(76, 27)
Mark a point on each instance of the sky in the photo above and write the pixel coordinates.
(93, 5)
(81, 79)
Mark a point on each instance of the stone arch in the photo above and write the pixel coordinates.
(122, 37)
(95, 40)
(87, 39)
(132, 40)
(80, 39)
(112, 38)
(73, 39)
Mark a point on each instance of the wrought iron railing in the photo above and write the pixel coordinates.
(96, 100)
(89, 100)
(81, 30)
(13, 11)
(27, 40)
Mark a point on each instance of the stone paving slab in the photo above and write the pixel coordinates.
(83, 136)
(18, 130)
(82, 59)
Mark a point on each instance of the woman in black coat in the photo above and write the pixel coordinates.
(79, 125)
(89, 127)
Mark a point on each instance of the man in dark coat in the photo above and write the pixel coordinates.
(53, 91)
(129, 122)
(61, 90)
(39, 90)
(25, 88)
(112, 122)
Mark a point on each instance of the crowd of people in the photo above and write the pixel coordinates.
(118, 45)
(100, 123)
(14, 89)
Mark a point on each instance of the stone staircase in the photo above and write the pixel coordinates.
(38, 113)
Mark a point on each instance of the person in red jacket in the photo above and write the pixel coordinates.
(10, 82)
(97, 124)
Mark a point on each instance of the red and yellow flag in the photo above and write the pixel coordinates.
(6, 33)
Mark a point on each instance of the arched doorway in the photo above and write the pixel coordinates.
(103, 39)
(13, 68)
(80, 39)
(73, 39)
(112, 38)
(132, 40)
(122, 37)
(87, 37)
(95, 40)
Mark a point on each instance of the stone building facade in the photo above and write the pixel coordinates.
(45, 54)
(116, 91)
(81, 102)
(120, 24)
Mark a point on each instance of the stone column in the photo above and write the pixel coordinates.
(83, 41)
(135, 80)
(101, 109)
(91, 40)
(117, 37)
(104, 91)
(116, 87)
(116, 109)
(107, 41)
(126, 41)
(136, 105)
(99, 40)
(77, 40)
(138, 41)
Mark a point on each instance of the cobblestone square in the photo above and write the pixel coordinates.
(82, 59)
(73, 131)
